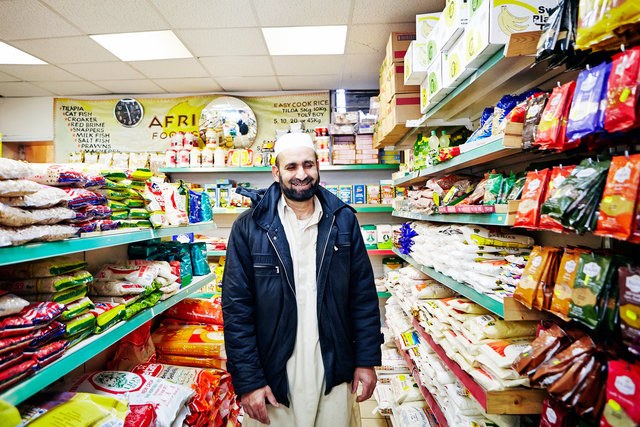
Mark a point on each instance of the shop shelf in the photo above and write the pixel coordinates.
(191, 228)
(480, 219)
(380, 252)
(216, 253)
(358, 207)
(483, 151)
(94, 345)
(229, 211)
(91, 241)
(433, 405)
(510, 309)
(268, 168)
(384, 294)
(513, 401)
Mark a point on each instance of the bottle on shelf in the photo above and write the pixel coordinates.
(434, 141)
(207, 155)
(444, 140)
(417, 147)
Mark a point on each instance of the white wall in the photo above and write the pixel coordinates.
(26, 119)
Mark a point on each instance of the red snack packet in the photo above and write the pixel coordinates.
(31, 317)
(206, 310)
(619, 198)
(533, 193)
(557, 177)
(623, 395)
(622, 91)
(550, 130)
(554, 414)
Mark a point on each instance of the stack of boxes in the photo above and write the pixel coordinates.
(467, 34)
(399, 102)
(365, 153)
(344, 150)
(360, 194)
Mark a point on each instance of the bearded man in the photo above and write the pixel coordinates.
(302, 324)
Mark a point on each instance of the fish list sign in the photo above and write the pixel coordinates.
(146, 124)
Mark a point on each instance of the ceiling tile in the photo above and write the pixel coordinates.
(29, 19)
(7, 78)
(379, 11)
(230, 66)
(103, 71)
(188, 85)
(245, 84)
(307, 64)
(359, 64)
(207, 14)
(224, 41)
(22, 89)
(130, 86)
(109, 16)
(38, 73)
(170, 68)
(309, 82)
(72, 88)
(66, 50)
(305, 12)
(372, 38)
(362, 81)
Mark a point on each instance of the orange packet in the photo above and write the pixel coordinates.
(528, 214)
(618, 203)
(564, 282)
(526, 290)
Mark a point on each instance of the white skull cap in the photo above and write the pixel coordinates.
(293, 140)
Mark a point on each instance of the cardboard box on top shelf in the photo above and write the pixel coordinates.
(492, 22)
(397, 45)
(454, 18)
(349, 117)
(394, 82)
(404, 106)
(415, 64)
(454, 70)
(425, 23)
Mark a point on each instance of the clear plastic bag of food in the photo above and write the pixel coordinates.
(13, 169)
(46, 197)
(18, 187)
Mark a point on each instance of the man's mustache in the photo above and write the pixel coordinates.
(305, 181)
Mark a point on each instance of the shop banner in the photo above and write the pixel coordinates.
(95, 125)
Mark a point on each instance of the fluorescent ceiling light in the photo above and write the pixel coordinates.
(319, 40)
(143, 46)
(11, 55)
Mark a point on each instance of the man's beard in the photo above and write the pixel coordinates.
(297, 195)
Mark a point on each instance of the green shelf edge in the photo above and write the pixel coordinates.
(384, 294)
(475, 296)
(216, 253)
(480, 219)
(407, 177)
(93, 346)
(34, 251)
(238, 211)
(268, 168)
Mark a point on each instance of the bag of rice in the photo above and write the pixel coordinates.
(165, 397)
(48, 284)
(47, 353)
(79, 324)
(46, 197)
(13, 169)
(116, 288)
(467, 306)
(107, 314)
(81, 198)
(190, 340)
(45, 268)
(74, 409)
(11, 304)
(10, 359)
(18, 187)
(17, 373)
(66, 296)
(34, 316)
(503, 353)
(489, 326)
(143, 275)
(198, 361)
(52, 331)
(204, 310)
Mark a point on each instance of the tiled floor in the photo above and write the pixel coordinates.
(369, 419)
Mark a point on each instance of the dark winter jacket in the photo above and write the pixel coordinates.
(259, 303)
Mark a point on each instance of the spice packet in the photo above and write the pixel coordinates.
(555, 367)
(549, 342)
(544, 293)
(584, 117)
(549, 134)
(622, 91)
(594, 271)
(528, 213)
(619, 198)
(528, 286)
(557, 177)
(629, 309)
(535, 108)
(564, 282)
(623, 394)
(492, 189)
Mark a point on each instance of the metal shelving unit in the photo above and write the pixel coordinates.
(480, 219)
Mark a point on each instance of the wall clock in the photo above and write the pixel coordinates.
(128, 112)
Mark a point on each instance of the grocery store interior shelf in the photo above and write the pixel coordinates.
(491, 149)
(509, 310)
(268, 168)
(384, 294)
(216, 253)
(481, 219)
(512, 401)
(357, 207)
(94, 345)
(34, 251)
(369, 251)
(433, 405)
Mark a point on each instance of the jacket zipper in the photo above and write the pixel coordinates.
(281, 262)
(324, 252)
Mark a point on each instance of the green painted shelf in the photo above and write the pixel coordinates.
(480, 219)
(216, 253)
(491, 149)
(34, 251)
(369, 251)
(268, 168)
(384, 294)
(359, 208)
(94, 345)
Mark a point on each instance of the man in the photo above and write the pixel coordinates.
(299, 301)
